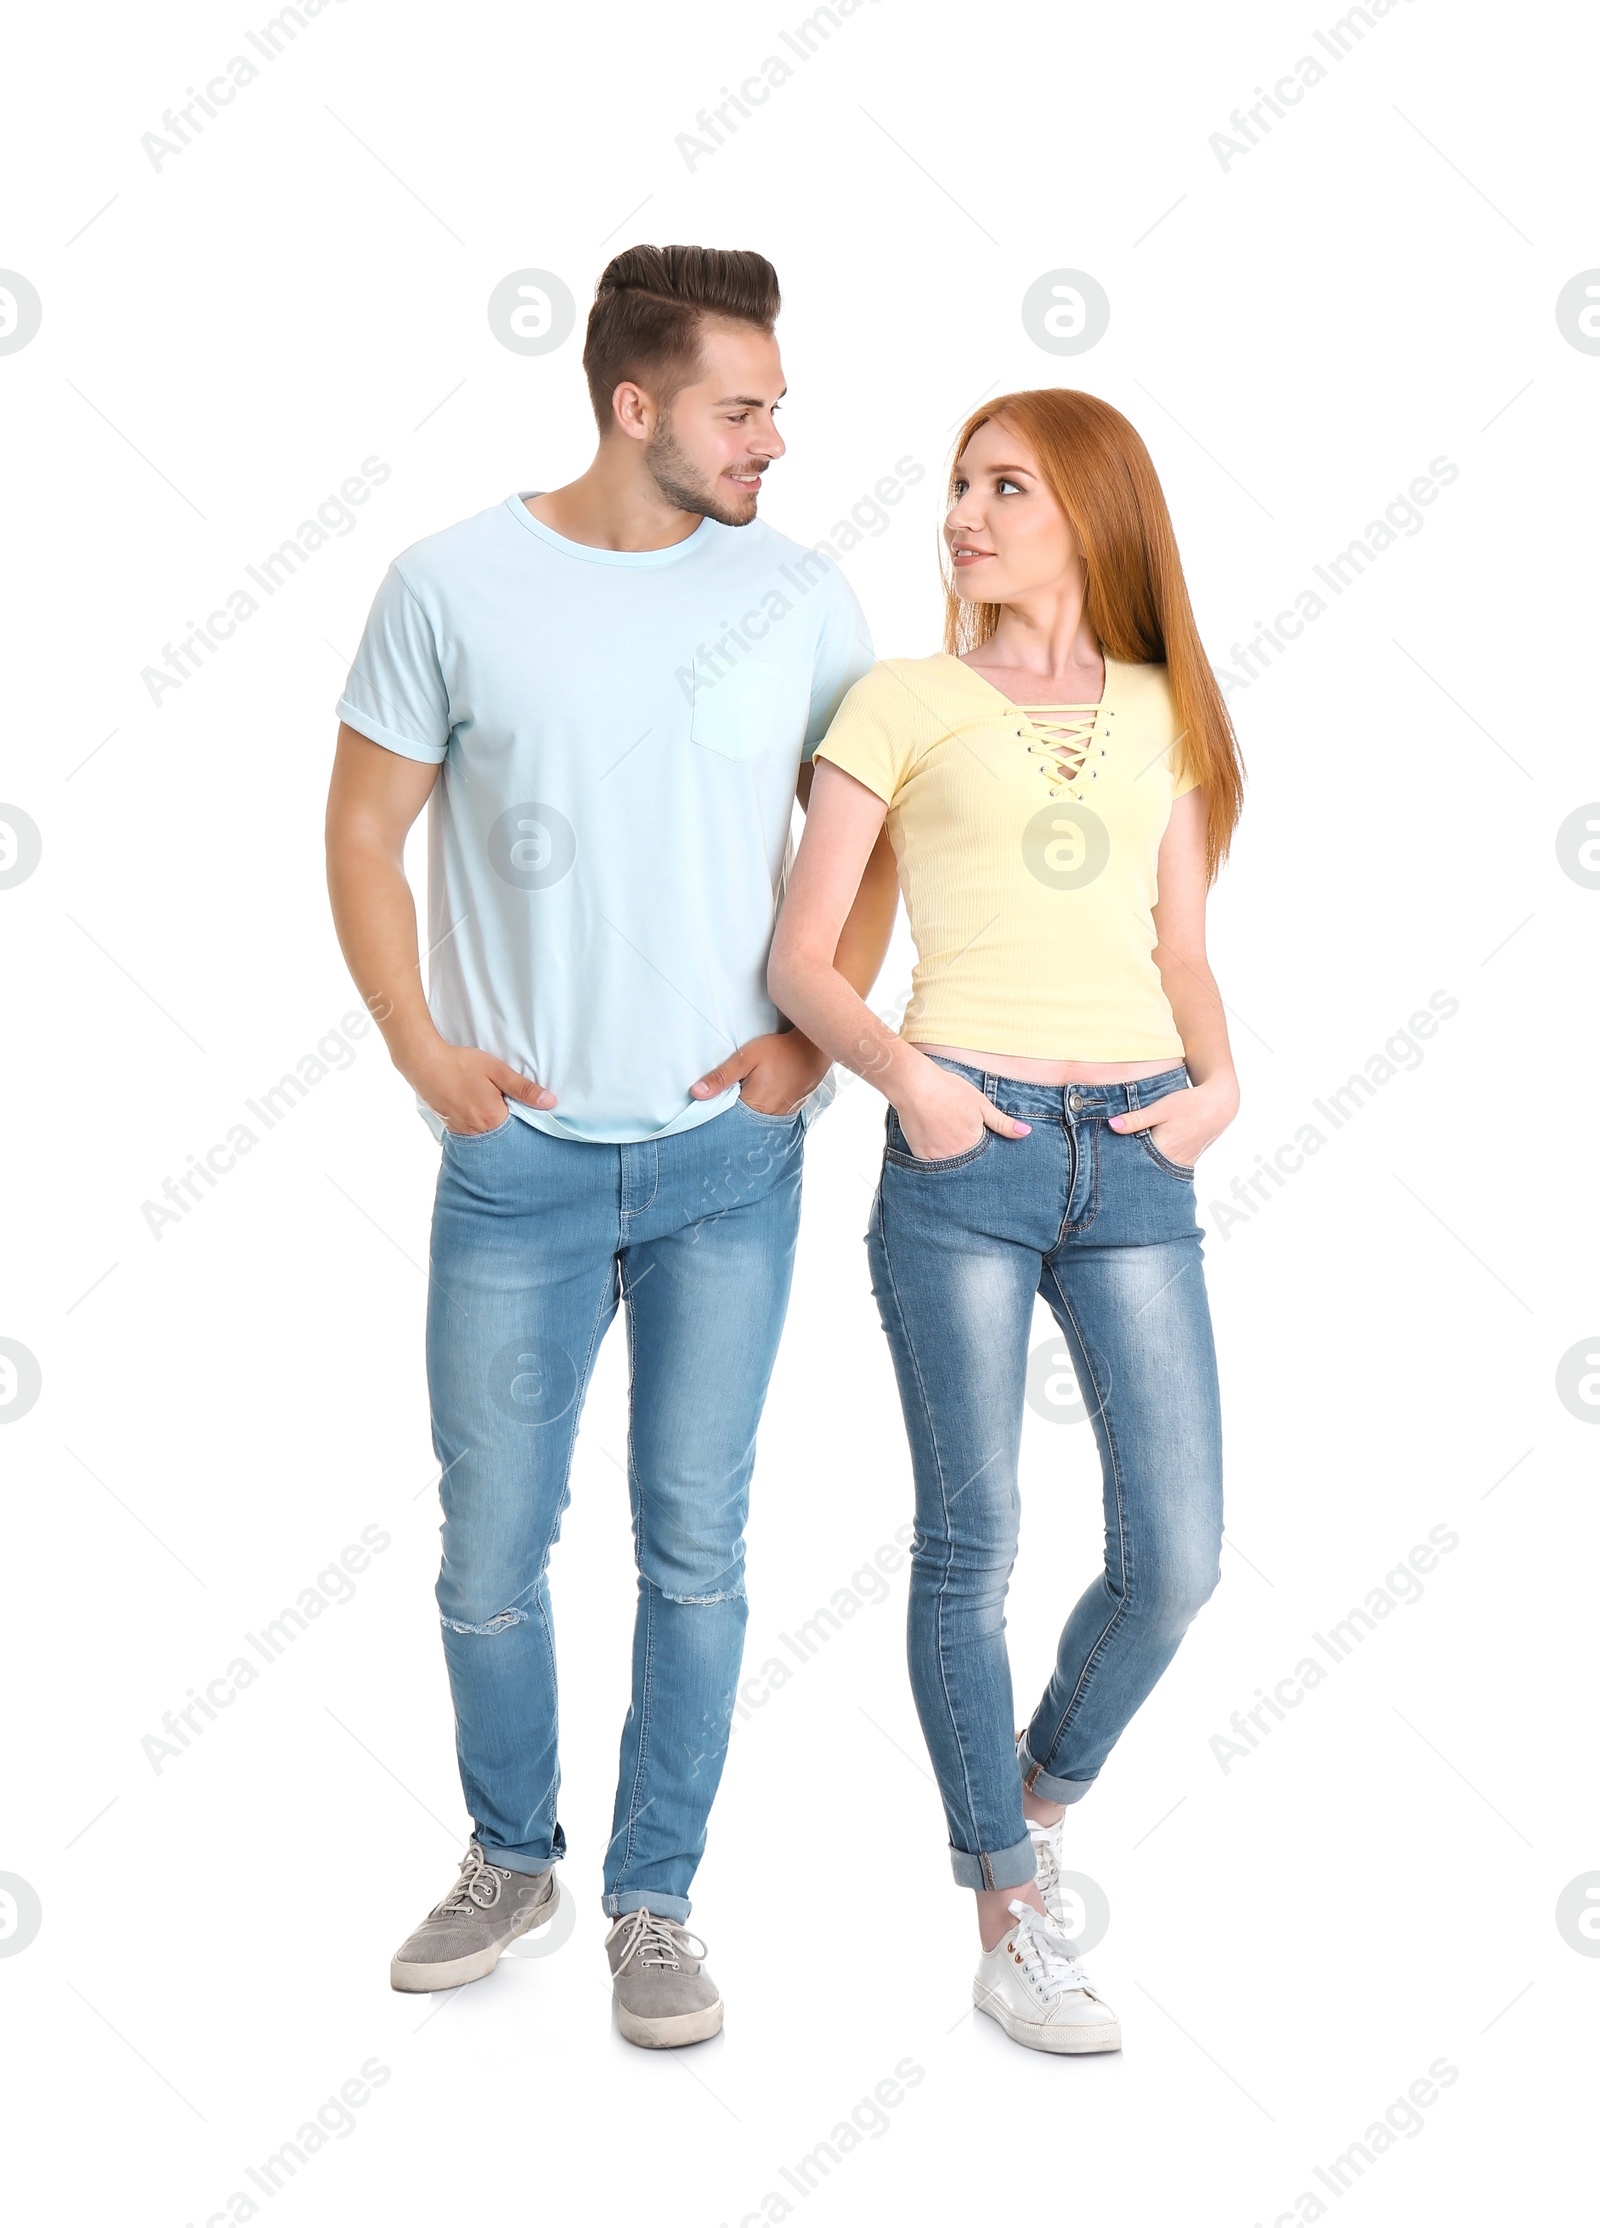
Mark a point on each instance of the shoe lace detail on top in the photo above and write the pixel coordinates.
(1044, 1955)
(478, 1888)
(659, 1944)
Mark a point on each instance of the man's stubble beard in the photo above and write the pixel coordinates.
(673, 471)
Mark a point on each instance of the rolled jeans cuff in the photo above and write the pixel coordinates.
(1037, 1780)
(521, 1860)
(674, 1907)
(1001, 1868)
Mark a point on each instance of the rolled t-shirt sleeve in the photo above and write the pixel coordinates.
(844, 653)
(396, 693)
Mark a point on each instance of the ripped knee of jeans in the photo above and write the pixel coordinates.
(498, 1623)
(702, 1601)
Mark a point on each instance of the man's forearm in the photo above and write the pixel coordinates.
(375, 917)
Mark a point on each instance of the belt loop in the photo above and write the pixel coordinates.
(991, 1085)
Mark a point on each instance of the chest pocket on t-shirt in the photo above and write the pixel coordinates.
(744, 710)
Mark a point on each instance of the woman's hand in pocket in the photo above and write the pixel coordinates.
(943, 1115)
(1183, 1123)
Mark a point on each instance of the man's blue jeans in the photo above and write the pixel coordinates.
(535, 1239)
(1100, 1225)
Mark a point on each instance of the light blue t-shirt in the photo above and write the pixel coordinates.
(620, 732)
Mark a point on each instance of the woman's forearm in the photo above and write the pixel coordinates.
(834, 929)
(833, 1014)
(864, 939)
(1199, 1016)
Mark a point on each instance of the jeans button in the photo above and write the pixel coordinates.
(1075, 1100)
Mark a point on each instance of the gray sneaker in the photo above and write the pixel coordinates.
(663, 1992)
(463, 1935)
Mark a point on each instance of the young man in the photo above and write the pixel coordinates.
(623, 682)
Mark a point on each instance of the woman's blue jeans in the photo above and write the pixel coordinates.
(1101, 1226)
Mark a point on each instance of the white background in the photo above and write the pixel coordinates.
(1294, 1940)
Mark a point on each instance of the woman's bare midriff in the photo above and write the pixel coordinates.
(1020, 1070)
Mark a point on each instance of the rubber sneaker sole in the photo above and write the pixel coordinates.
(671, 2034)
(455, 1972)
(1075, 2041)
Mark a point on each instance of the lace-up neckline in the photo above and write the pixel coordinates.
(1068, 742)
(1063, 741)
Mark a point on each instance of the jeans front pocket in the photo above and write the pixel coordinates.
(779, 1121)
(1172, 1167)
(479, 1136)
(897, 1153)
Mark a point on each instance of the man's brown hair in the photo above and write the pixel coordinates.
(648, 309)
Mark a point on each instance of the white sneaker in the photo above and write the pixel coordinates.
(1031, 1983)
(1047, 1865)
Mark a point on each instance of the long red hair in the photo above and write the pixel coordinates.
(1135, 600)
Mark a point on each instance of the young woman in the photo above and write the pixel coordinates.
(1060, 787)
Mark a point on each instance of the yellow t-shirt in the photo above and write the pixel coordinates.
(1026, 840)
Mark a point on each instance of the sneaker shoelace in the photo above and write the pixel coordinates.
(1044, 1955)
(659, 1944)
(478, 1888)
(1046, 1856)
